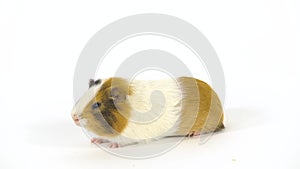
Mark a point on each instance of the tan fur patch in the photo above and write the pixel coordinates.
(112, 117)
(202, 109)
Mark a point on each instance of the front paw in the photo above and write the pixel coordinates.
(98, 141)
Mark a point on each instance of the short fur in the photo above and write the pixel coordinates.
(135, 111)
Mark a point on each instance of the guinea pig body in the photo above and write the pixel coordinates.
(123, 112)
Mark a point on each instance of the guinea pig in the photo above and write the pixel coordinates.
(122, 111)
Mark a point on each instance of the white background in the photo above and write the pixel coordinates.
(257, 42)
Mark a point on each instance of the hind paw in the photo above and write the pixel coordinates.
(193, 133)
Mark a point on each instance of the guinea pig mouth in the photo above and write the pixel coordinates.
(76, 120)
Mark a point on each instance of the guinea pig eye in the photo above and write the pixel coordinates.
(96, 105)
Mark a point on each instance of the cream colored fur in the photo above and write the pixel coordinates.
(156, 109)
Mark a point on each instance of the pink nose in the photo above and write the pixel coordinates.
(76, 120)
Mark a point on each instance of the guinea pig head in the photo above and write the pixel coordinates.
(103, 109)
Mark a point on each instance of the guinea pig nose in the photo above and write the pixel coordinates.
(76, 119)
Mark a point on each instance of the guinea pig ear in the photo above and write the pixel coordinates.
(118, 95)
(91, 83)
(97, 81)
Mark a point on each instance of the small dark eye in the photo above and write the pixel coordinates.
(96, 105)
